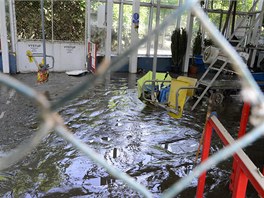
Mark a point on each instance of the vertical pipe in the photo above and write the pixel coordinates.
(156, 43)
(4, 43)
(109, 23)
(120, 26)
(150, 26)
(43, 31)
(87, 17)
(189, 39)
(234, 18)
(205, 154)
(221, 20)
(256, 32)
(134, 38)
(178, 24)
(88, 9)
(52, 28)
(52, 21)
(12, 29)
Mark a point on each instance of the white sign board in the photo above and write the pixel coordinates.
(68, 56)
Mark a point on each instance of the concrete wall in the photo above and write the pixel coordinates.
(68, 55)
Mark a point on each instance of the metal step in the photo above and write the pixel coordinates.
(227, 70)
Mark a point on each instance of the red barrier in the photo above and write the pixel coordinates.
(242, 131)
(244, 169)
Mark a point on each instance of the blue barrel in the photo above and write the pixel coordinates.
(12, 63)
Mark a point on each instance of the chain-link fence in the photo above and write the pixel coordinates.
(64, 20)
(52, 120)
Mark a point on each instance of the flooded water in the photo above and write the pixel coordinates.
(139, 139)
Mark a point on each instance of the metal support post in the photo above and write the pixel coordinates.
(156, 43)
(242, 131)
(12, 25)
(150, 26)
(87, 37)
(134, 36)
(43, 32)
(244, 119)
(109, 24)
(3, 33)
(256, 33)
(205, 154)
(120, 26)
(178, 23)
(188, 49)
(240, 185)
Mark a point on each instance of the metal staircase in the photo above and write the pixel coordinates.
(253, 21)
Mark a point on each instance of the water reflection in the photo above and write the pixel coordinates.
(139, 139)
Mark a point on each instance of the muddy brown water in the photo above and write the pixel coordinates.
(139, 139)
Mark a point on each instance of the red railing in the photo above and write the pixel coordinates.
(243, 167)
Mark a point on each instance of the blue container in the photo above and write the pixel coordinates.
(12, 63)
(258, 76)
(198, 60)
(164, 95)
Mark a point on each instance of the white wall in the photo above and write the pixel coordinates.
(68, 56)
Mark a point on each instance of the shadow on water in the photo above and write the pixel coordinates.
(139, 139)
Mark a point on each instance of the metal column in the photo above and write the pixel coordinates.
(120, 26)
(12, 18)
(109, 23)
(43, 32)
(134, 38)
(188, 49)
(87, 38)
(156, 43)
(4, 43)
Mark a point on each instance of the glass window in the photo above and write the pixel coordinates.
(98, 28)
(126, 29)
(143, 27)
(115, 28)
(165, 36)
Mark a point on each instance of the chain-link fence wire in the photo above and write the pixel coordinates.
(64, 20)
(52, 121)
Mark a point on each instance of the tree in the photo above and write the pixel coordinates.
(178, 47)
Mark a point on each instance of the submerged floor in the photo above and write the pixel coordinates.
(141, 140)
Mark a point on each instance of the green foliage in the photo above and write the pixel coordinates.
(197, 44)
(208, 42)
(28, 19)
(68, 18)
(178, 46)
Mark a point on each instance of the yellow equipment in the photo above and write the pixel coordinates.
(179, 90)
(175, 86)
(148, 76)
